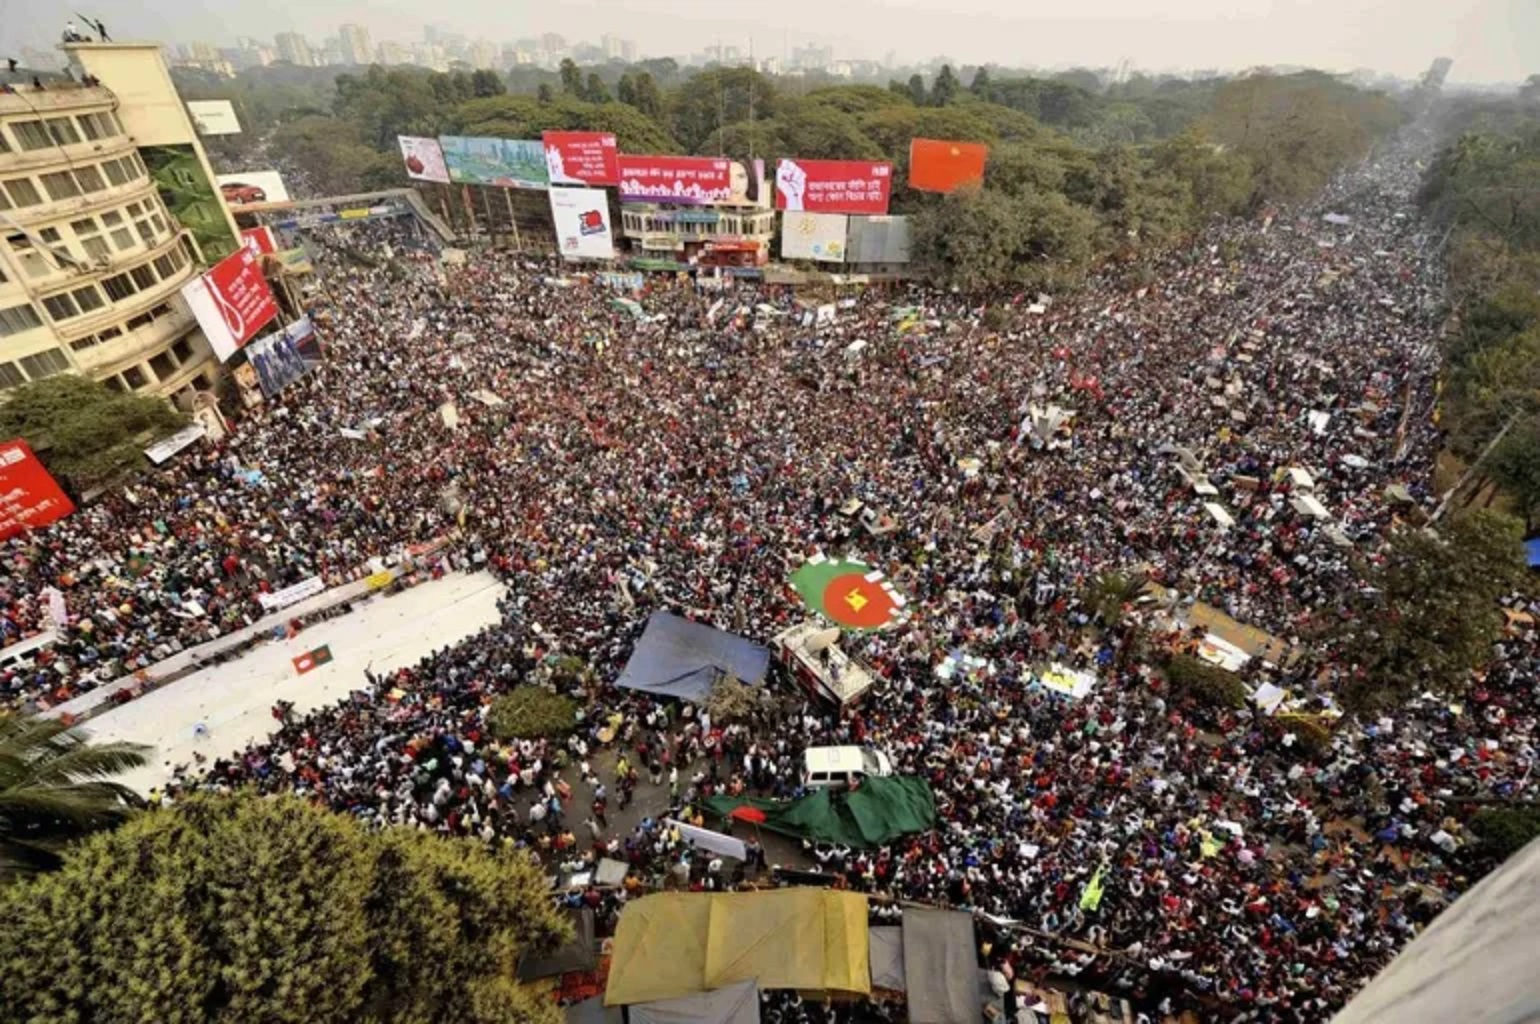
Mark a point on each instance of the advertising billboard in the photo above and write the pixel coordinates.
(688, 180)
(813, 236)
(833, 186)
(190, 196)
(424, 159)
(941, 166)
(582, 219)
(29, 496)
(509, 163)
(877, 240)
(252, 187)
(232, 302)
(582, 158)
(213, 117)
(281, 359)
(260, 240)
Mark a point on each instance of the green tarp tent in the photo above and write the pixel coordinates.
(877, 812)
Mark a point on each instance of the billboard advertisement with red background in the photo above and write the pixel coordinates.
(261, 239)
(940, 166)
(29, 496)
(833, 186)
(686, 180)
(232, 301)
(582, 158)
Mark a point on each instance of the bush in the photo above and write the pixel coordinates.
(1207, 683)
(530, 712)
(1504, 831)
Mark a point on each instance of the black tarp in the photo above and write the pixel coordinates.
(577, 955)
(679, 658)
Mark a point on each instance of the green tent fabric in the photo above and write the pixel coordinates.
(879, 811)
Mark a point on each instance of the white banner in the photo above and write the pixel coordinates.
(213, 117)
(291, 595)
(424, 159)
(716, 842)
(813, 236)
(582, 219)
(166, 447)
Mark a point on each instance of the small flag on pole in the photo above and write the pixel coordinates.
(312, 659)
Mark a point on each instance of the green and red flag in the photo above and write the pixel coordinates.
(848, 593)
(313, 659)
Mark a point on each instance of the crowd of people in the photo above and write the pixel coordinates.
(688, 448)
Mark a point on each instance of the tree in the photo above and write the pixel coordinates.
(716, 98)
(1514, 465)
(917, 89)
(985, 238)
(1219, 181)
(55, 788)
(85, 431)
(243, 909)
(1504, 831)
(1427, 613)
(544, 93)
(531, 712)
(980, 86)
(944, 90)
(487, 83)
(571, 78)
(625, 90)
(596, 91)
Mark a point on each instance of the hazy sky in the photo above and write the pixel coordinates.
(1490, 40)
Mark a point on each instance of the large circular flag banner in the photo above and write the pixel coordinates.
(848, 593)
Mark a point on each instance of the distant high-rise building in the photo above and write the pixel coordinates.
(483, 55)
(332, 54)
(552, 43)
(294, 48)
(202, 51)
(628, 50)
(357, 48)
(394, 54)
(611, 45)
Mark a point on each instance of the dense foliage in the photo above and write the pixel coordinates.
(1504, 831)
(83, 430)
(1208, 684)
(531, 712)
(246, 909)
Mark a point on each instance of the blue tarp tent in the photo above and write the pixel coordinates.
(679, 658)
(1532, 549)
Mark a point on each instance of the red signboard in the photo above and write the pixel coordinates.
(687, 180)
(941, 166)
(582, 158)
(232, 301)
(833, 186)
(29, 496)
(261, 239)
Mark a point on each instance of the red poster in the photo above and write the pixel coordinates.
(29, 496)
(261, 239)
(582, 158)
(833, 186)
(689, 180)
(940, 166)
(241, 294)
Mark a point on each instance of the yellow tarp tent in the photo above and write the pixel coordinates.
(675, 944)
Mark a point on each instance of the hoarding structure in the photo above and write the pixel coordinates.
(423, 158)
(937, 165)
(833, 186)
(253, 187)
(507, 163)
(582, 158)
(29, 496)
(232, 302)
(191, 197)
(813, 236)
(213, 117)
(282, 358)
(877, 240)
(689, 181)
(582, 220)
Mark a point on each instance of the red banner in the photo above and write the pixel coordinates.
(29, 496)
(833, 186)
(582, 158)
(235, 302)
(940, 166)
(260, 239)
(689, 180)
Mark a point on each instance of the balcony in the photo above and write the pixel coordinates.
(50, 158)
(137, 346)
(49, 210)
(59, 96)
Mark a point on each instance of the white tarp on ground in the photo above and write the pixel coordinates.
(940, 967)
(1216, 650)
(734, 1004)
(1309, 505)
(1223, 518)
(715, 842)
(887, 957)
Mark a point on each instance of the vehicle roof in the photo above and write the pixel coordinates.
(834, 759)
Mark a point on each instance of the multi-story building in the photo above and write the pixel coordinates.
(394, 54)
(357, 48)
(295, 49)
(91, 262)
(483, 55)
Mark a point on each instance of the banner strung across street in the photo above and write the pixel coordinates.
(813, 236)
(688, 181)
(833, 186)
(582, 219)
(29, 496)
(232, 302)
(940, 166)
(582, 158)
(508, 163)
(424, 160)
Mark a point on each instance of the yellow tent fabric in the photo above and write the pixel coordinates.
(659, 949)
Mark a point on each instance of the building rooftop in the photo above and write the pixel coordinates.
(25, 79)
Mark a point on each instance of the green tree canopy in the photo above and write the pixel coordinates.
(85, 431)
(715, 98)
(250, 909)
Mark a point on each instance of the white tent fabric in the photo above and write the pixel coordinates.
(940, 967)
(887, 957)
(735, 1004)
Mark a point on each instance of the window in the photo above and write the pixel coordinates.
(5, 201)
(146, 233)
(60, 307)
(88, 299)
(45, 364)
(18, 319)
(165, 266)
(22, 192)
(143, 276)
(84, 226)
(51, 236)
(31, 135)
(116, 172)
(122, 239)
(97, 126)
(60, 185)
(110, 333)
(10, 377)
(119, 287)
(142, 320)
(160, 225)
(182, 350)
(96, 248)
(134, 378)
(5, 147)
(163, 366)
(62, 131)
(112, 218)
(116, 384)
(90, 178)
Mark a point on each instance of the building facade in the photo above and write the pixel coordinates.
(357, 48)
(91, 262)
(295, 49)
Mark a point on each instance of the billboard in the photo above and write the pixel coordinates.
(510, 163)
(252, 187)
(582, 219)
(941, 166)
(582, 158)
(29, 496)
(833, 186)
(232, 302)
(281, 359)
(689, 180)
(813, 236)
(190, 196)
(213, 117)
(424, 160)
(877, 240)
(260, 240)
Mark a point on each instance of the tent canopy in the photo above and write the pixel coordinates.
(679, 658)
(940, 966)
(577, 955)
(877, 812)
(735, 1004)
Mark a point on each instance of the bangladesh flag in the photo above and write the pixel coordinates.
(848, 593)
(313, 659)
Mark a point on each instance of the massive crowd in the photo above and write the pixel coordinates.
(689, 456)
